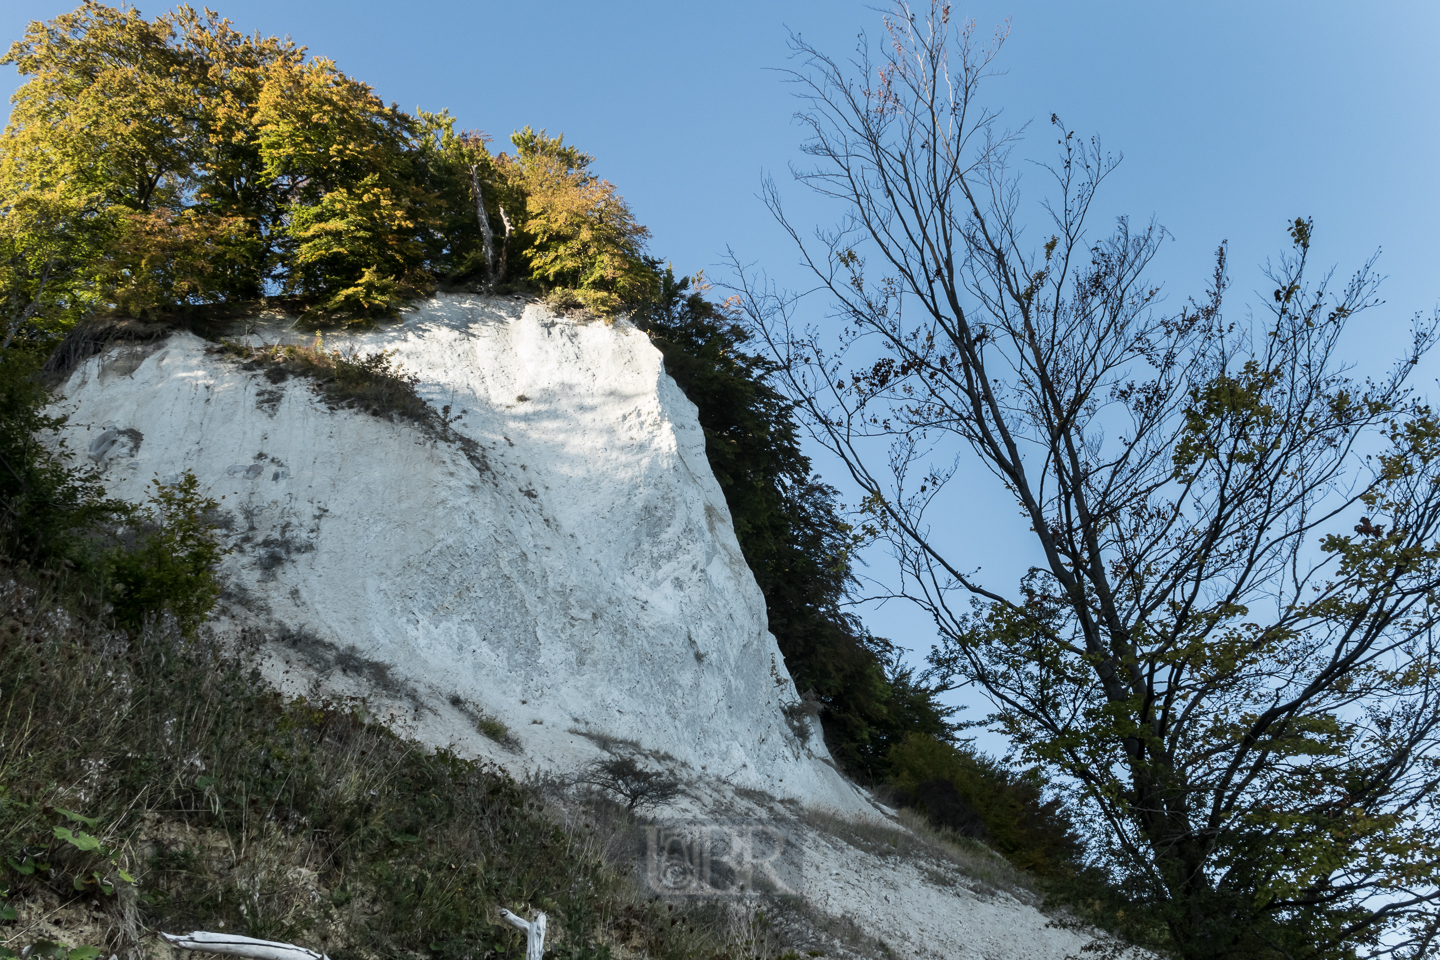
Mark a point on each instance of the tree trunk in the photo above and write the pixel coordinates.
(485, 231)
(231, 945)
(504, 245)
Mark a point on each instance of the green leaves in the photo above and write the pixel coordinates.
(581, 235)
(56, 951)
(77, 818)
(1228, 419)
(82, 841)
(156, 164)
(344, 167)
(172, 565)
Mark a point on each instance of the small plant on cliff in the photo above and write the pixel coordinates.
(373, 382)
(632, 783)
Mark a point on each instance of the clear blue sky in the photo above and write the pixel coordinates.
(1233, 118)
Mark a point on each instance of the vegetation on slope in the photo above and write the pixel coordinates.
(149, 779)
(217, 804)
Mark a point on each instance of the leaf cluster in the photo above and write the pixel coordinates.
(144, 562)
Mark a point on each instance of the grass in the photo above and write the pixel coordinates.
(373, 383)
(236, 809)
(915, 839)
(486, 724)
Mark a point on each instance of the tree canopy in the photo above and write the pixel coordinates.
(155, 165)
(1227, 644)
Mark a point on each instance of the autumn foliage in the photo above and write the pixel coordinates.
(153, 165)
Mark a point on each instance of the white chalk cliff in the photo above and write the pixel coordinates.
(563, 562)
(573, 574)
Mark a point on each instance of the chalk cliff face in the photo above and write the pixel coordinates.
(560, 560)
(571, 572)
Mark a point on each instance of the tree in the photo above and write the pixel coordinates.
(1241, 681)
(355, 212)
(582, 236)
(634, 784)
(129, 176)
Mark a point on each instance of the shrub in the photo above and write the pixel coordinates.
(372, 382)
(632, 783)
(947, 808)
(47, 505)
(169, 561)
(239, 809)
(1034, 831)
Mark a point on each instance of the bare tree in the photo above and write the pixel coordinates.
(1245, 688)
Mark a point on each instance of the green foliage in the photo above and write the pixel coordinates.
(354, 211)
(580, 236)
(1034, 831)
(55, 514)
(444, 161)
(791, 534)
(129, 149)
(46, 506)
(151, 165)
(170, 565)
(239, 809)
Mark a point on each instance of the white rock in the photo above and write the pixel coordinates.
(576, 572)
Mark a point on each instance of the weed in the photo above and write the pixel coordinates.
(486, 724)
(373, 383)
(914, 838)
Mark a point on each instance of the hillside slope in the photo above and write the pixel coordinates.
(549, 577)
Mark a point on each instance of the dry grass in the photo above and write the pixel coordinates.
(914, 839)
(235, 809)
(373, 383)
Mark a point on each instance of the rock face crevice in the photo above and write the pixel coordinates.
(568, 568)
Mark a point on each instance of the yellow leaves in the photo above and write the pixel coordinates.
(163, 257)
(582, 234)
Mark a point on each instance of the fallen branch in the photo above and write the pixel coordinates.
(234, 946)
(534, 930)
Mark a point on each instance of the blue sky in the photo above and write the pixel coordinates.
(1233, 117)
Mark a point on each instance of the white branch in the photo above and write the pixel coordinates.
(535, 933)
(234, 946)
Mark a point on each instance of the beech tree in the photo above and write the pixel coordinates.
(581, 234)
(128, 172)
(1227, 642)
